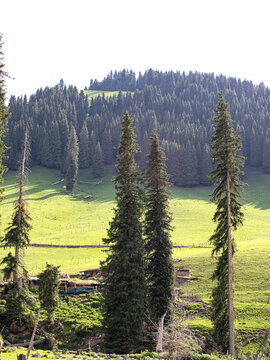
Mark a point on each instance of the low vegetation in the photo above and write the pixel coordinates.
(192, 213)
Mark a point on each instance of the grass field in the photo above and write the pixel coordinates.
(64, 219)
(95, 93)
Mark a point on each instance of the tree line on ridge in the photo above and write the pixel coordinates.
(178, 106)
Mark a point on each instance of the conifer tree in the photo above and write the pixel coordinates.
(71, 161)
(125, 289)
(160, 270)
(55, 146)
(17, 236)
(266, 152)
(84, 156)
(46, 155)
(205, 166)
(227, 196)
(92, 147)
(17, 233)
(107, 148)
(48, 290)
(191, 176)
(3, 117)
(98, 164)
(145, 151)
(10, 266)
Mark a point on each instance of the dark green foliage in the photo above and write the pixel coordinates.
(84, 156)
(205, 165)
(17, 233)
(225, 146)
(125, 289)
(11, 264)
(17, 236)
(187, 169)
(46, 155)
(144, 152)
(107, 148)
(55, 146)
(98, 164)
(48, 290)
(255, 148)
(71, 160)
(3, 117)
(266, 153)
(178, 105)
(18, 302)
(160, 270)
(92, 147)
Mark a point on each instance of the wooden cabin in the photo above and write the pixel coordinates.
(33, 281)
(90, 272)
(183, 273)
(71, 288)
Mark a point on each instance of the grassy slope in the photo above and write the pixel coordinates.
(96, 93)
(64, 219)
(59, 218)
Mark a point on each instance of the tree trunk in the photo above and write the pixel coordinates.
(16, 272)
(17, 277)
(260, 352)
(230, 271)
(159, 346)
(1, 344)
(33, 336)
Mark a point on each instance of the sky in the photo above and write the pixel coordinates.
(49, 40)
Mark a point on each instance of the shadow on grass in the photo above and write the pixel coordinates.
(200, 193)
(28, 193)
(257, 194)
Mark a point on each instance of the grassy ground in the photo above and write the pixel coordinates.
(96, 93)
(64, 219)
(59, 218)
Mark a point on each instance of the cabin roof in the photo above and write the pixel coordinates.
(94, 269)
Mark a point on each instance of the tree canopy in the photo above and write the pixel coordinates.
(178, 105)
(125, 287)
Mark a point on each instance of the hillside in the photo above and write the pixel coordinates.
(180, 106)
(92, 94)
(64, 219)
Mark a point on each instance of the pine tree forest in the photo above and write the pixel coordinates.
(179, 106)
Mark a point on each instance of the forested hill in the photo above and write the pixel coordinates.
(180, 106)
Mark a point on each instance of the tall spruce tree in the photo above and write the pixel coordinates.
(3, 117)
(98, 164)
(17, 233)
(71, 161)
(84, 160)
(266, 152)
(160, 270)
(125, 288)
(48, 290)
(227, 197)
(17, 236)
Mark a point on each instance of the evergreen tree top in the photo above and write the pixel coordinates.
(225, 146)
(128, 147)
(3, 116)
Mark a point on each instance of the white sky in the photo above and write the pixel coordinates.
(46, 40)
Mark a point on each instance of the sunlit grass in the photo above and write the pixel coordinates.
(62, 219)
(95, 93)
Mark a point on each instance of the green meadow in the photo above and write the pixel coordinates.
(95, 93)
(63, 219)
